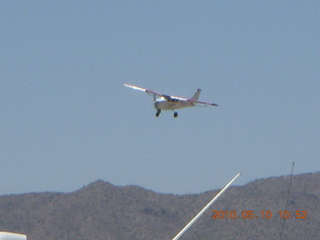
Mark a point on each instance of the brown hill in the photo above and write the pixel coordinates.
(105, 212)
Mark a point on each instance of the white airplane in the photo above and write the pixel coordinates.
(168, 102)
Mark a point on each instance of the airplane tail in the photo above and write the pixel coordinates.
(196, 95)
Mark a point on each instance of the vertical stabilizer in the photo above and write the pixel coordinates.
(196, 95)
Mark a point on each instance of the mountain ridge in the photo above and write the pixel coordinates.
(101, 210)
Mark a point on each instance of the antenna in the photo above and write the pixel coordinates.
(204, 209)
(284, 219)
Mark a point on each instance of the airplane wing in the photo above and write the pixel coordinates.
(168, 97)
(143, 89)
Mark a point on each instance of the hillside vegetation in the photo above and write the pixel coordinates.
(102, 211)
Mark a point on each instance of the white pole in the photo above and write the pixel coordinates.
(12, 236)
(204, 209)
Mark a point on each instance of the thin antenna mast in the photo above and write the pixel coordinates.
(284, 219)
(204, 209)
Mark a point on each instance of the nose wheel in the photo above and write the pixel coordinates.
(158, 112)
(175, 114)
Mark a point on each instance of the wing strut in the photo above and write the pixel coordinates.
(204, 209)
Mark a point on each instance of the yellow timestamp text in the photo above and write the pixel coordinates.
(250, 214)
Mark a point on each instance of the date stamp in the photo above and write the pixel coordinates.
(250, 214)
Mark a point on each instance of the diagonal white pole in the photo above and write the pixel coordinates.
(204, 209)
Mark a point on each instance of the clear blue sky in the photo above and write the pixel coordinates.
(66, 119)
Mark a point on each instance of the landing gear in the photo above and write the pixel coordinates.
(158, 112)
(175, 114)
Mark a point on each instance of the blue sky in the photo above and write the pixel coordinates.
(67, 120)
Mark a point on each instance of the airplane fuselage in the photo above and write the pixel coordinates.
(171, 104)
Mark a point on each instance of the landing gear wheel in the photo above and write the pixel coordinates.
(158, 112)
(175, 114)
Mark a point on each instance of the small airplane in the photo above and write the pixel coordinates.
(168, 102)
